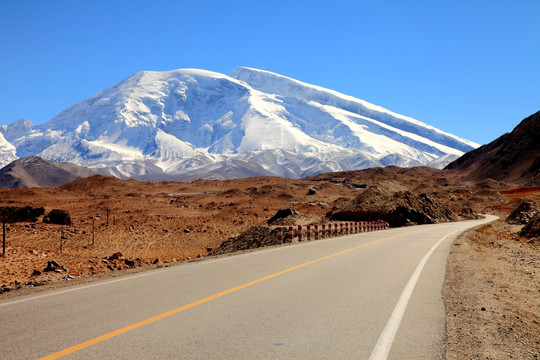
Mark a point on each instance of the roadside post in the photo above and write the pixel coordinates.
(94, 218)
(291, 234)
(3, 234)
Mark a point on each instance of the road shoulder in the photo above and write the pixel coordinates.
(492, 295)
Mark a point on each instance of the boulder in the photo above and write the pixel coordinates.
(282, 214)
(36, 272)
(129, 262)
(532, 229)
(115, 256)
(58, 217)
(523, 213)
(54, 266)
(468, 213)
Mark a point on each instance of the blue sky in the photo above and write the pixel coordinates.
(471, 68)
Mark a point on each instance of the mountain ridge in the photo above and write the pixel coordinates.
(191, 122)
(34, 171)
(513, 157)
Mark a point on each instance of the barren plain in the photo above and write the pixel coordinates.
(492, 292)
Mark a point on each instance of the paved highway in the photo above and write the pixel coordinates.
(374, 295)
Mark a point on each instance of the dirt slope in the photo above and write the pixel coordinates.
(513, 157)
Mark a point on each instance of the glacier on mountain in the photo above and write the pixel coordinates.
(189, 123)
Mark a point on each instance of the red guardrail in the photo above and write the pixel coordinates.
(329, 230)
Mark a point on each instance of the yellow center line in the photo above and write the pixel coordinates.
(139, 324)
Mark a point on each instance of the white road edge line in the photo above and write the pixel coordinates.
(384, 344)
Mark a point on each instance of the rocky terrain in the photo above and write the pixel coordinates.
(83, 222)
(397, 205)
(168, 221)
(102, 226)
(145, 222)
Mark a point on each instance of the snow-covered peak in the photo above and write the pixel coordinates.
(272, 83)
(17, 128)
(198, 122)
(7, 151)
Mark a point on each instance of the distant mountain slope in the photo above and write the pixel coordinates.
(513, 157)
(192, 123)
(36, 172)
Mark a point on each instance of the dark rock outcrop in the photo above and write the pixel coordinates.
(395, 204)
(58, 217)
(282, 214)
(532, 229)
(523, 213)
(20, 214)
(468, 213)
(54, 266)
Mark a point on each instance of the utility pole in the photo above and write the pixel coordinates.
(3, 234)
(94, 218)
(62, 237)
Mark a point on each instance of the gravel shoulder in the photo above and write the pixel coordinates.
(492, 295)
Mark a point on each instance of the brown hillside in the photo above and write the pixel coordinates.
(34, 172)
(513, 157)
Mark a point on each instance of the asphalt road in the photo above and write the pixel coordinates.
(373, 295)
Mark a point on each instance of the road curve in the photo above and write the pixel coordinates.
(374, 295)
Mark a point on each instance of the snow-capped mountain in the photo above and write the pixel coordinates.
(191, 123)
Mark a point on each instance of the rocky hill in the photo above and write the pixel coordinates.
(513, 157)
(35, 172)
(394, 203)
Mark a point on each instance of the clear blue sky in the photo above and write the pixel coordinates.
(471, 68)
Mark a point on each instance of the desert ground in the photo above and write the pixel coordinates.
(492, 288)
(492, 292)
